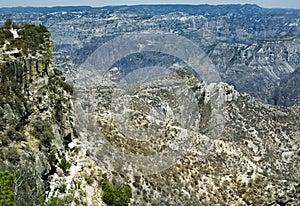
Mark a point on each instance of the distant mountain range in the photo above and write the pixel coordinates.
(185, 141)
(78, 31)
(162, 9)
(44, 9)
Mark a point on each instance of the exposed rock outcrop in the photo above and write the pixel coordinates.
(251, 159)
(264, 69)
(229, 148)
(36, 112)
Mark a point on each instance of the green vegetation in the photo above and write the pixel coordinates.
(115, 196)
(89, 180)
(58, 80)
(5, 34)
(55, 201)
(23, 99)
(62, 188)
(82, 193)
(11, 135)
(12, 155)
(11, 99)
(64, 164)
(52, 158)
(14, 135)
(8, 24)
(6, 192)
(108, 195)
(42, 130)
(31, 38)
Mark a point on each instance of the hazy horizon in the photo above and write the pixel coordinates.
(96, 3)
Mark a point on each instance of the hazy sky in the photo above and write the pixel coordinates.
(263, 3)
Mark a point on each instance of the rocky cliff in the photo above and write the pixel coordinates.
(252, 159)
(148, 144)
(36, 112)
(261, 69)
(241, 39)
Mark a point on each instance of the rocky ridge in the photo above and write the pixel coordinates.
(37, 134)
(260, 69)
(253, 160)
(239, 32)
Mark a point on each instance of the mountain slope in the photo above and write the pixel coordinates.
(260, 69)
(259, 32)
(35, 111)
(254, 160)
(232, 149)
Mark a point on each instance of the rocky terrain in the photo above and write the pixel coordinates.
(252, 160)
(171, 138)
(37, 121)
(261, 69)
(247, 37)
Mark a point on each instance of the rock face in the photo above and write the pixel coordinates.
(171, 140)
(261, 69)
(247, 39)
(252, 159)
(288, 91)
(36, 112)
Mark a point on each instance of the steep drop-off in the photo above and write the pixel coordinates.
(252, 159)
(35, 111)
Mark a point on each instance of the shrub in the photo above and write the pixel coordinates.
(64, 165)
(58, 80)
(4, 140)
(6, 193)
(108, 194)
(115, 197)
(68, 87)
(43, 132)
(7, 24)
(82, 193)
(5, 34)
(62, 188)
(123, 195)
(52, 158)
(89, 180)
(32, 38)
(15, 135)
(12, 155)
(55, 201)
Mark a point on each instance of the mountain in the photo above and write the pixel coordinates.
(203, 9)
(41, 160)
(78, 31)
(35, 110)
(240, 151)
(148, 130)
(261, 69)
(44, 9)
(288, 91)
